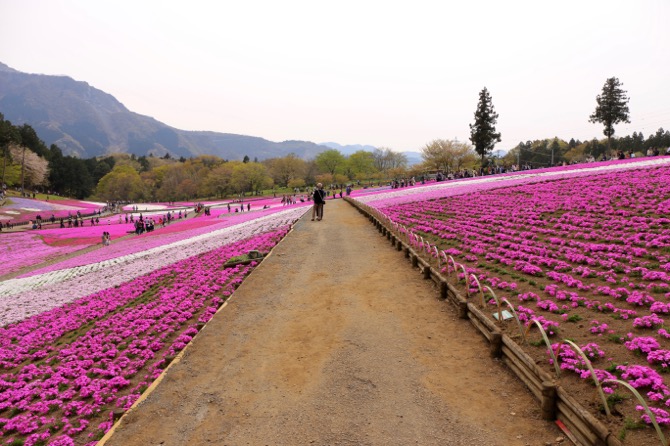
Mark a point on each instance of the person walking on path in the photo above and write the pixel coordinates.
(319, 201)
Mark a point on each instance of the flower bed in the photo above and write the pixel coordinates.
(36, 246)
(22, 249)
(25, 209)
(23, 297)
(177, 231)
(471, 185)
(64, 371)
(588, 257)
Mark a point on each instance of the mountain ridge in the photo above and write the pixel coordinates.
(86, 122)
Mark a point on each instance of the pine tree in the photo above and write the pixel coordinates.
(483, 132)
(612, 107)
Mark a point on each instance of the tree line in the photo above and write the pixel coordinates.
(611, 109)
(555, 151)
(27, 164)
(166, 179)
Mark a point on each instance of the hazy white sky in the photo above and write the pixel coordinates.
(384, 73)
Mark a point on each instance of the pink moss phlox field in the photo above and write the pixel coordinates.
(33, 247)
(21, 249)
(28, 296)
(598, 241)
(391, 197)
(218, 207)
(64, 371)
(26, 209)
(176, 231)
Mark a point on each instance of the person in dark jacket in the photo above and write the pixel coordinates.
(319, 200)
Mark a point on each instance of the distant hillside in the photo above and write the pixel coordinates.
(87, 122)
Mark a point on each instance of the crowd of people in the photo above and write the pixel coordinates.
(405, 182)
(240, 209)
(287, 200)
(651, 151)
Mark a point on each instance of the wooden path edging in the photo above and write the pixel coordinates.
(555, 402)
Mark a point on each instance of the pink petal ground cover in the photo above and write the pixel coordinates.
(21, 249)
(256, 203)
(83, 236)
(588, 257)
(469, 185)
(173, 232)
(28, 248)
(218, 208)
(25, 209)
(24, 297)
(142, 207)
(64, 371)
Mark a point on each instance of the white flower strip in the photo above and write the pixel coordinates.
(95, 203)
(151, 212)
(36, 294)
(142, 207)
(397, 196)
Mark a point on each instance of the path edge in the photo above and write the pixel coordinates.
(117, 424)
(556, 403)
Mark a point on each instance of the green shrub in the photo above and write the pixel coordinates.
(574, 318)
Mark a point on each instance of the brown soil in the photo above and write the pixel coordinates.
(335, 339)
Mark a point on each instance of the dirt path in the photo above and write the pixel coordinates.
(334, 339)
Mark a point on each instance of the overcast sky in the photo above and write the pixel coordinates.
(384, 73)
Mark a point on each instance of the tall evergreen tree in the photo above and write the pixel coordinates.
(612, 107)
(30, 140)
(144, 163)
(555, 148)
(69, 175)
(483, 133)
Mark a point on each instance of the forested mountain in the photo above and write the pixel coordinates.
(88, 122)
